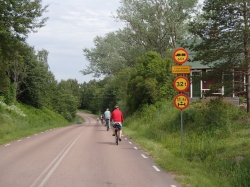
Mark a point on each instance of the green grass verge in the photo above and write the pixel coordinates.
(215, 150)
(19, 121)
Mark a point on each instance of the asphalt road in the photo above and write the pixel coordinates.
(83, 155)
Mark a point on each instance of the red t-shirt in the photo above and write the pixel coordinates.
(116, 116)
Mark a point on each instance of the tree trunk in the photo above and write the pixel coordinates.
(248, 88)
(247, 54)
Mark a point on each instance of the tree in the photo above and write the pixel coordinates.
(18, 18)
(151, 25)
(42, 56)
(72, 87)
(155, 25)
(111, 54)
(34, 88)
(151, 82)
(92, 96)
(224, 39)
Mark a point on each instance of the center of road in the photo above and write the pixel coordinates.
(55, 163)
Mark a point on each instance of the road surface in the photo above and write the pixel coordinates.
(83, 155)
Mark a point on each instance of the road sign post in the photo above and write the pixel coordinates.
(181, 83)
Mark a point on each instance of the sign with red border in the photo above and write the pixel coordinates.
(181, 83)
(181, 101)
(180, 56)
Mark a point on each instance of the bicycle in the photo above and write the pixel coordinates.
(107, 124)
(117, 127)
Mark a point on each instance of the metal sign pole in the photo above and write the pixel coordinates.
(181, 131)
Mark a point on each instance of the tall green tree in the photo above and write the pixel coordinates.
(151, 25)
(42, 56)
(224, 36)
(155, 25)
(151, 82)
(92, 96)
(66, 98)
(33, 87)
(72, 87)
(111, 54)
(18, 18)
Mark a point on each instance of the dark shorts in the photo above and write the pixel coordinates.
(117, 125)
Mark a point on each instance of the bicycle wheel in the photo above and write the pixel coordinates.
(107, 123)
(116, 137)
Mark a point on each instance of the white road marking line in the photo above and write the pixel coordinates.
(156, 168)
(135, 147)
(19, 140)
(125, 138)
(41, 132)
(130, 142)
(143, 156)
(173, 186)
(7, 144)
(61, 155)
(28, 137)
(35, 134)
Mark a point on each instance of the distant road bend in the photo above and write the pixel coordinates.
(82, 155)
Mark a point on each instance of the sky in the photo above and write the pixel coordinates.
(71, 27)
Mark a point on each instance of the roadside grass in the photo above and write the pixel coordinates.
(19, 121)
(215, 150)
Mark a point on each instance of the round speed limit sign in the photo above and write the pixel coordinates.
(181, 84)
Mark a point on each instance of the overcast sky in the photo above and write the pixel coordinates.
(72, 26)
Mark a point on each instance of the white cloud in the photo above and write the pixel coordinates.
(72, 26)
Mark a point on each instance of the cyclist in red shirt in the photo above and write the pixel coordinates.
(117, 117)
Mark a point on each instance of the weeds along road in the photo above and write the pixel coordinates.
(82, 155)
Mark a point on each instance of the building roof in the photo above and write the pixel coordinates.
(194, 64)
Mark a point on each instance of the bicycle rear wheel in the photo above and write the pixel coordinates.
(116, 137)
(107, 123)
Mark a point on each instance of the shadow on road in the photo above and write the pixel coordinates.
(107, 143)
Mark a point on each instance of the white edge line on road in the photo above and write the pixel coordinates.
(125, 138)
(156, 168)
(28, 137)
(7, 144)
(130, 142)
(19, 140)
(173, 186)
(143, 156)
(135, 147)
